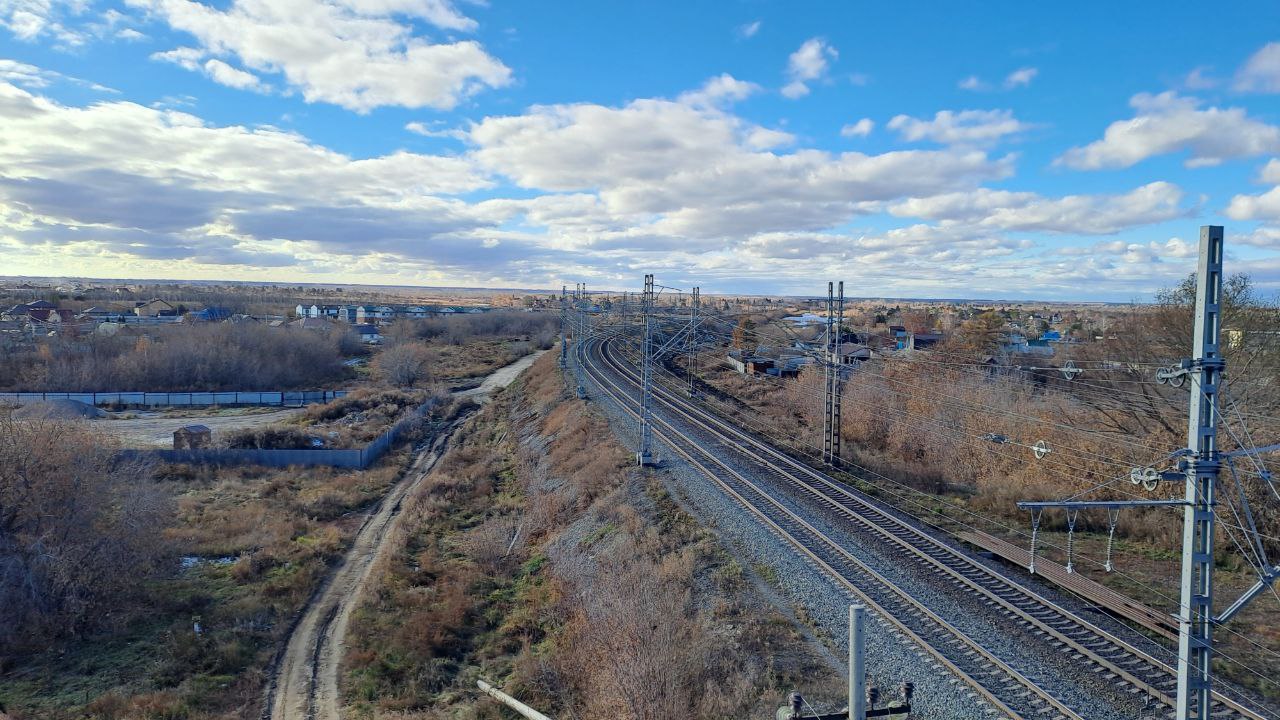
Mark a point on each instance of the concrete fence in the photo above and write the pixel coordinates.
(357, 458)
(296, 398)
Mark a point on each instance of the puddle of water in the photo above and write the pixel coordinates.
(190, 561)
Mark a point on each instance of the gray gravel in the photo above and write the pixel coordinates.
(891, 658)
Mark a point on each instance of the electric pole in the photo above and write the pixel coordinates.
(834, 381)
(1195, 618)
(564, 320)
(1200, 463)
(691, 345)
(643, 456)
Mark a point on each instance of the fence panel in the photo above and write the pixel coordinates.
(178, 399)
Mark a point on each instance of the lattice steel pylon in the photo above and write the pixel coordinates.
(564, 320)
(834, 377)
(643, 452)
(1195, 616)
(691, 345)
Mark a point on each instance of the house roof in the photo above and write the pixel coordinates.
(195, 429)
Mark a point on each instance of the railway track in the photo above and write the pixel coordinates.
(1018, 692)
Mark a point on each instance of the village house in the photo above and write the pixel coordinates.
(154, 308)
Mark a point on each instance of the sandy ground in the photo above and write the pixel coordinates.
(155, 430)
(304, 684)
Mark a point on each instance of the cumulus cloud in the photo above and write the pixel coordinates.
(1021, 77)
(1169, 123)
(1071, 214)
(1261, 72)
(862, 128)
(31, 20)
(359, 54)
(700, 173)
(749, 30)
(807, 64)
(136, 181)
(972, 82)
(224, 74)
(966, 127)
(720, 90)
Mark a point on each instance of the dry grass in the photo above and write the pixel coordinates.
(537, 558)
(261, 540)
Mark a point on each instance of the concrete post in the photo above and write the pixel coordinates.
(857, 664)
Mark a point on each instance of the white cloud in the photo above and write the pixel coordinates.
(1168, 123)
(810, 62)
(720, 90)
(1261, 72)
(973, 82)
(30, 20)
(1021, 77)
(26, 75)
(435, 129)
(749, 30)
(966, 127)
(123, 180)
(30, 76)
(130, 35)
(1072, 214)
(862, 128)
(1199, 79)
(224, 74)
(679, 171)
(359, 54)
(187, 57)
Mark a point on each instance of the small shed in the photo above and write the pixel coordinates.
(192, 437)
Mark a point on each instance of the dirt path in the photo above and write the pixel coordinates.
(304, 685)
(501, 377)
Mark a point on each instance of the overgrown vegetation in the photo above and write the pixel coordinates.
(537, 557)
(232, 555)
(201, 357)
(78, 531)
(456, 348)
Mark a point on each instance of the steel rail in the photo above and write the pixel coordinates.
(1023, 604)
(1008, 673)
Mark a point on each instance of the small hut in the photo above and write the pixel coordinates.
(192, 437)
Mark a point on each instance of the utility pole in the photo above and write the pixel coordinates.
(691, 345)
(834, 381)
(1195, 618)
(564, 320)
(643, 455)
(1200, 464)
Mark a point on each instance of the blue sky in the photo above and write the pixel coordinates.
(1021, 150)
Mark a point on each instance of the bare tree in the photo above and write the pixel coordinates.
(78, 531)
(403, 364)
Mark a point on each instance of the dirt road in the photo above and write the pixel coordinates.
(304, 685)
(501, 377)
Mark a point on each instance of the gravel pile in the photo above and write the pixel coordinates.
(58, 410)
